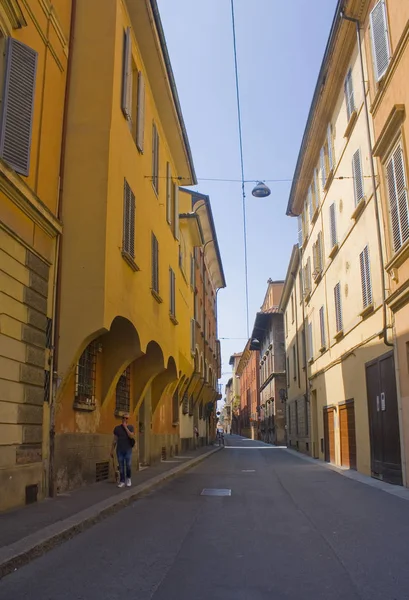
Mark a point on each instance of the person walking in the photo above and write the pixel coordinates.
(123, 442)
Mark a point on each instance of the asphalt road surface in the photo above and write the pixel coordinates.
(290, 529)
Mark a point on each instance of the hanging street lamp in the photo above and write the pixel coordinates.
(261, 190)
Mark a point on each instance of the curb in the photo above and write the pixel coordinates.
(23, 551)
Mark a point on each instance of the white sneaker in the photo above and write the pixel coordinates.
(128, 482)
(121, 484)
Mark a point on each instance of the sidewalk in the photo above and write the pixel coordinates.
(29, 531)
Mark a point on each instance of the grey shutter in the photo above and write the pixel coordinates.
(319, 251)
(192, 335)
(380, 40)
(140, 124)
(131, 223)
(176, 209)
(338, 307)
(365, 277)
(358, 178)
(333, 225)
(155, 158)
(172, 292)
(155, 264)
(169, 192)
(398, 198)
(300, 231)
(330, 147)
(316, 188)
(310, 342)
(127, 76)
(322, 327)
(125, 235)
(128, 243)
(323, 167)
(18, 105)
(349, 94)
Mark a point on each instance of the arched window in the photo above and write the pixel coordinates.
(123, 392)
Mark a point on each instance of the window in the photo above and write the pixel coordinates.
(127, 76)
(322, 328)
(303, 348)
(398, 197)
(169, 194)
(310, 344)
(380, 39)
(358, 177)
(288, 371)
(175, 406)
(317, 256)
(300, 230)
(192, 272)
(286, 323)
(128, 241)
(155, 264)
(155, 158)
(349, 94)
(123, 391)
(18, 105)
(140, 113)
(338, 308)
(310, 200)
(176, 233)
(292, 308)
(85, 376)
(327, 161)
(315, 189)
(192, 336)
(300, 284)
(365, 277)
(307, 277)
(133, 93)
(295, 362)
(333, 225)
(172, 293)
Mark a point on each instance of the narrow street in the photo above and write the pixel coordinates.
(290, 529)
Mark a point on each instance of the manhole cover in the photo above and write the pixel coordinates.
(215, 492)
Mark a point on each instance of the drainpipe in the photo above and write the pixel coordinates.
(373, 178)
(304, 339)
(58, 255)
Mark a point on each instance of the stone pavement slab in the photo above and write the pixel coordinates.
(29, 531)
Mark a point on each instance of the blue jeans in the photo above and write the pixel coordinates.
(124, 461)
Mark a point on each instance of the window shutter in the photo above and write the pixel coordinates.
(140, 118)
(172, 293)
(319, 251)
(307, 282)
(333, 225)
(128, 243)
(349, 94)
(155, 158)
(18, 105)
(127, 76)
(310, 342)
(380, 40)
(300, 231)
(192, 336)
(338, 307)
(358, 178)
(316, 188)
(310, 203)
(322, 327)
(168, 194)
(176, 209)
(323, 167)
(398, 198)
(155, 264)
(314, 257)
(365, 277)
(301, 283)
(295, 361)
(330, 147)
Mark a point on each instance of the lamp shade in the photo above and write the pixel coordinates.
(261, 190)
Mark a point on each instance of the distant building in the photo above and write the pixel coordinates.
(248, 373)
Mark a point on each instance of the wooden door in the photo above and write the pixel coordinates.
(383, 419)
(347, 434)
(329, 435)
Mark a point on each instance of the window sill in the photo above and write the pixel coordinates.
(130, 261)
(329, 179)
(310, 361)
(323, 349)
(307, 297)
(175, 423)
(174, 319)
(334, 251)
(399, 258)
(156, 296)
(121, 413)
(351, 124)
(317, 277)
(359, 209)
(338, 336)
(78, 405)
(367, 311)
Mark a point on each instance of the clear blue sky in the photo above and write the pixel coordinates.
(280, 46)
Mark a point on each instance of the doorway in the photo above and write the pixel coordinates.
(329, 434)
(383, 419)
(347, 434)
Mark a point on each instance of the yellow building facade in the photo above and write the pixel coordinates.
(127, 296)
(389, 101)
(34, 36)
(346, 347)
